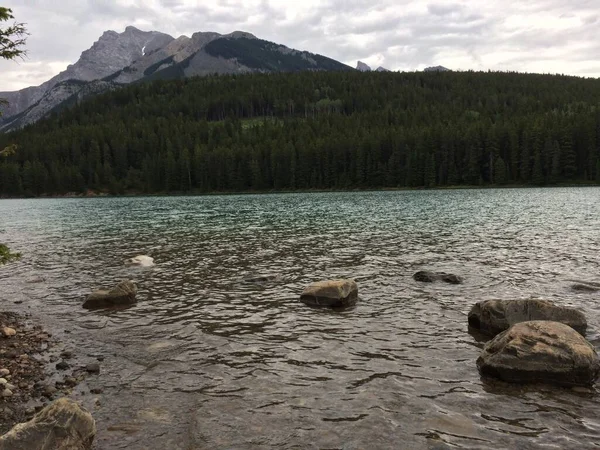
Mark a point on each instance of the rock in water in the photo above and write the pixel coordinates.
(122, 294)
(63, 425)
(494, 316)
(335, 293)
(93, 368)
(429, 277)
(141, 260)
(540, 352)
(584, 287)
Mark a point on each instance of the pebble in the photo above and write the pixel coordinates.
(7, 393)
(93, 368)
(62, 365)
(11, 387)
(8, 331)
(49, 391)
(70, 381)
(96, 391)
(3, 381)
(66, 354)
(4, 372)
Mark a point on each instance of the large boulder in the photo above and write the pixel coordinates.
(63, 425)
(494, 316)
(540, 352)
(334, 293)
(429, 277)
(123, 294)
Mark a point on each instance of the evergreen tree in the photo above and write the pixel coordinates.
(538, 173)
(500, 172)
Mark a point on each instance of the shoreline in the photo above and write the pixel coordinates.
(37, 367)
(100, 194)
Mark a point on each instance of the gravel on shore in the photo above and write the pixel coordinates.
(29, 376)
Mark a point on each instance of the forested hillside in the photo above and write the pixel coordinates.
(321, 130)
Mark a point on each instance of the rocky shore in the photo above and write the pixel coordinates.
(35, 369)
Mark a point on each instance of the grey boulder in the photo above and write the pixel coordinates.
(332, 293)
(123, 294)
(429, 277)
(494, 316)
(540, 352)
(63, 425)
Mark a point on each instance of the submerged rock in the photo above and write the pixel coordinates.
(93, 368)
(63, 425)
(261, 278)
(334, 293)
(141, 260)
(63, 365)
(429, 277)
(494, 316)
(585, 287)
(540, 352)
(122, 294)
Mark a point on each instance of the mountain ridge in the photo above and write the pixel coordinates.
(134, 55)
(109, 51)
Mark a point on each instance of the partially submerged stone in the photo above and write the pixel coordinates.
(141, 260)
(426, 276)
(123, 294)
(494, 316)
(63, 425)
(540, 352)
(333, 293)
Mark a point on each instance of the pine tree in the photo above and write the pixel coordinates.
(500, 172)
(556, 162)
(538, 174)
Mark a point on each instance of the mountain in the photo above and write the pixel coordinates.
(110, 53)
(61, 95)
(362, 67)
(436, 69)
(135, 55)
(381, 69)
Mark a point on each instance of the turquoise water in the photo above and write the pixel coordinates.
(210, 359)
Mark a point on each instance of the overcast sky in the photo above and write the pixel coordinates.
(556, 36)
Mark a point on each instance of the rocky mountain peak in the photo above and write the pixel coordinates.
(362, 67)
(241, 34)
(112, 52)
(436, 69)
(108, 35)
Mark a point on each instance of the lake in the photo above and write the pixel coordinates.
(212, 357)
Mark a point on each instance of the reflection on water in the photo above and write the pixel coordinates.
(219, 353)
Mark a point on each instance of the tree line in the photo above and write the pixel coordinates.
(314, 130)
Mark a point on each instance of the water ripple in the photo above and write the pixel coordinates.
(219, 353)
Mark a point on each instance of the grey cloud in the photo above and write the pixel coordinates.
(444, 9)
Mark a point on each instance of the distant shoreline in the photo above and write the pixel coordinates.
(95, 194)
